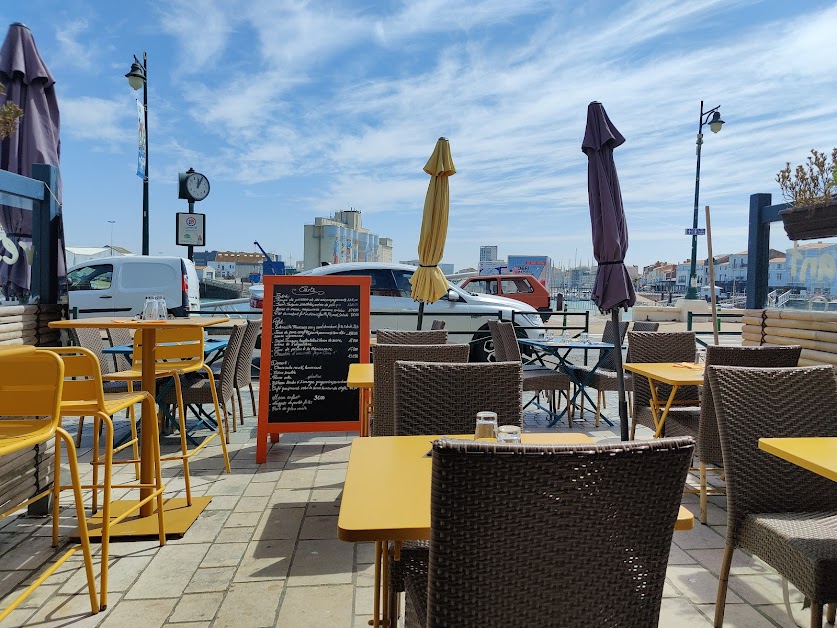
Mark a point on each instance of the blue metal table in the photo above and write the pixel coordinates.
(210, 346)
(560, 349)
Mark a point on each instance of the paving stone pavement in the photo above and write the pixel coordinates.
(265, 552)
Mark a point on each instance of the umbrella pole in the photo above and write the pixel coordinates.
(420, 315)
(620, 378)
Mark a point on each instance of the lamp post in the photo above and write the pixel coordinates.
(112, 222)
(715, 124)
(138, 77)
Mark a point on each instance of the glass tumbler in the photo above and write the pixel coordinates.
(148, 309)
(508, 434)
(486, 428)
(565, 337)
(585, 337)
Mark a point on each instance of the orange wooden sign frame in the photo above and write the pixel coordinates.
(274, 429)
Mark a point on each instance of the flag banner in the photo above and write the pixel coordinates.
(141, 166)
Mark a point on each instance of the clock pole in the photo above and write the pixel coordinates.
(190, 251)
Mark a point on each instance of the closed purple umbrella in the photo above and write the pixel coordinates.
(30, 85)
(612, 289)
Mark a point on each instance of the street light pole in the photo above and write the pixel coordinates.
(112, 222)
(138, 77)
(715, 125)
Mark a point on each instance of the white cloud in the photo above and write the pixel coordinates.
(97, 119)
(74, 52)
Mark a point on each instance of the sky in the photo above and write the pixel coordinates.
(297, 109)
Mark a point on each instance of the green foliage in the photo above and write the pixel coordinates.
(9, 114)
(811, 184)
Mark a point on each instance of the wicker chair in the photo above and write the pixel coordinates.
(645, 326)
(649, 346)
(498, 534)
(782, 513)
(244, 366)
(120, 336)
(606, 376)
(383, 364)
(420, 409)
(707, 437)
(197, 389)
(536, 377)
(406, 337)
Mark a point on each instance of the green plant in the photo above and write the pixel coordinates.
(9, 114)
(811, 184)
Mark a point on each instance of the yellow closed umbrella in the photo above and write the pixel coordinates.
(429, 283)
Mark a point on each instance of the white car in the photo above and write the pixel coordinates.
(465, 314)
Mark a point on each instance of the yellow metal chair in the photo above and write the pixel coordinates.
(83, 395)
(179, 351)
(31, 382)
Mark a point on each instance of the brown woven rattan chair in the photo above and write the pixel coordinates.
(197, 388)
(513, 517)
(536, 377)
(782, 513)
(244, 366)
(646, 346)
(407, 337)
(384, 357)
(605, 377)
(421, 408)
(707, 437)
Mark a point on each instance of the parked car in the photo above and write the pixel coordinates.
(461, 311)
(117, 286)
(525, 288)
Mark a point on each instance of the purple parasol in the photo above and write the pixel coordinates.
(612, 289)
(30, 85)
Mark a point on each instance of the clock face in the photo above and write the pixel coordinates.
(197, 186)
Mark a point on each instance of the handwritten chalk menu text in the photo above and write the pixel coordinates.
(312, 329)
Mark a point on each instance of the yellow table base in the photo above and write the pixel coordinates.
(179, 518)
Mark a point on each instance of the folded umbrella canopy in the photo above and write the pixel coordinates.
(429, 283)
(30, 85)
(612, 289)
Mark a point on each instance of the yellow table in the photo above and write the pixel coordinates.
(817, 454)
(675, 374)
(179, 516)
(386, 497)
(362, 377)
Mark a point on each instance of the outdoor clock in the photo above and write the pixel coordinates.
(193, 186)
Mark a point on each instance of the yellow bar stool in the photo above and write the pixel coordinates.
(31, 382)
(179, 351)
(84, 395)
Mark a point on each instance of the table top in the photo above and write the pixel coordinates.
(673, 373)
(100, 322)
(361, 376)
(817, 454)
(386, 495)
(558, 344)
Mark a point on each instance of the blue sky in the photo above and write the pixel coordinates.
(299, 109)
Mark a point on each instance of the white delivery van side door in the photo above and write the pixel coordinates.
(144, 277)
(92, 290)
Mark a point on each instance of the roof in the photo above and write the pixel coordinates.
(816, 245)
(778, 259)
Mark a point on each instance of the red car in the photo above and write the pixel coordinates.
(525, 288)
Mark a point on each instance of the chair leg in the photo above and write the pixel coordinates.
(703, 498)
(723, 581)
(234, 424)
(56, 491)
(599, 405)
(135, 447)
(252, 402)
(79, 431)
(96, 436)
(831, 613)
(630, 403)
(108, 480)
(84, 537)
(240, 404)
(214, 390)
(816, 614)
(150, 406)
(184, 449)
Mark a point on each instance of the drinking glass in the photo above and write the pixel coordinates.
(700, 357)
(149, 309)
(585, 338)
(565, 337)
(508, 434)
(162, 310)
(486, 428)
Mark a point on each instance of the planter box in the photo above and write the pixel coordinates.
(810, 222)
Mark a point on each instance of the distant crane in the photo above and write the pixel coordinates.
(276, 268)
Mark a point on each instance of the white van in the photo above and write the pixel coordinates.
(117, 286)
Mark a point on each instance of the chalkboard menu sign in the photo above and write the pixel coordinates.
(312, 329)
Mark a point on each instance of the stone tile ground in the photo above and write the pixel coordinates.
(265, 552)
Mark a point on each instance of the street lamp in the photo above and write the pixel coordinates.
(715, 124)
(112, 222)
(137, 78)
